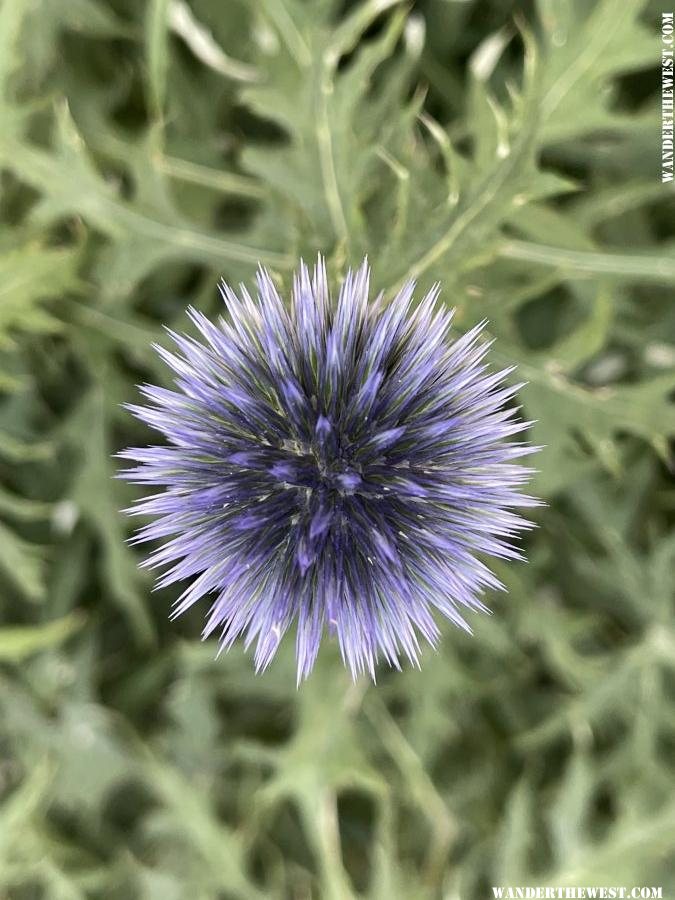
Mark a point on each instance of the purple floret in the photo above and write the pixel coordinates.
(341, 463)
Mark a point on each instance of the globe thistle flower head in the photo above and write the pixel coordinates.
(339, 464)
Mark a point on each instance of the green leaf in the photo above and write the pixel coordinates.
(22, 564)
(141, 239)
(643, 267)
(16, 643)
(29, 274)
(324, 171)
(587, 46)
(595, 416)
(157, 50)
(501, 175)
(97, 499)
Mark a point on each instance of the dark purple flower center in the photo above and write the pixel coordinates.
(324, 465)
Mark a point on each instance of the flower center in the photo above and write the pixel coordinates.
(323, 466)
(338, 476)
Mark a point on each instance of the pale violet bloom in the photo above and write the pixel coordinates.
(336, 464)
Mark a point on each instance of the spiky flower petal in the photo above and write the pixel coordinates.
(340, 463)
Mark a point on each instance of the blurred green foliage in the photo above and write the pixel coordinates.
(510, 151)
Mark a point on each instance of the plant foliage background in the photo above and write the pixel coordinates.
(509, 150)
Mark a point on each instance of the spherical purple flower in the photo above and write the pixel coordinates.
(340, 464)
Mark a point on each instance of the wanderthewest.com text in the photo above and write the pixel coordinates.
(667, 97)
